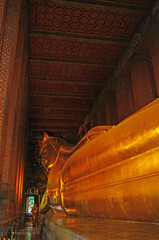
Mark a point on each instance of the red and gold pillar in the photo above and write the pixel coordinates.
(141, 81)
(111, 108)
(154, 51)
(125, 106)
(101, 114)
(93, 120)
(13, 69)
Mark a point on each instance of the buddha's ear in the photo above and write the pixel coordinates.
(45, 136)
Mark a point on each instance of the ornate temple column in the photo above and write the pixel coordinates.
(101, 109)
(85, 129)
(2, 7)
(154, 51)
(125, 105)
(20, 75)
(101, 114)
(20, 137)
(93, 120)
(111, 108)
(10, 43)
(141, 79)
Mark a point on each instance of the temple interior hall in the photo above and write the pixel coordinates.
(79, 119)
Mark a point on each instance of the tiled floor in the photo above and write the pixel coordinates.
(92, 229)
(28, 233)
(102, 229)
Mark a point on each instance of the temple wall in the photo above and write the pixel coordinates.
(13, 109)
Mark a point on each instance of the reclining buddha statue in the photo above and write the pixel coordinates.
(113, 172)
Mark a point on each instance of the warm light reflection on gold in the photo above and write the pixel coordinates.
(50, 166)
(114, 174)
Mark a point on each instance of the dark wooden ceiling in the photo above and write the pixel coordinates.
(73, 48)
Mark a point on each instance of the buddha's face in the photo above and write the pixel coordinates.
(49, 154)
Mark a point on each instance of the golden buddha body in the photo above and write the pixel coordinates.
(111, 174)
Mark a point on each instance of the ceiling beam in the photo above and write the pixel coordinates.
(65, 117)
(105, 3)
(54, 95)
(80, 36)
(69, 131)
(65, 80)
(110, 4)
(66, 125)
(59, 107)
(62, 60)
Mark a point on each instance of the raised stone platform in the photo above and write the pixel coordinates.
(70, 228)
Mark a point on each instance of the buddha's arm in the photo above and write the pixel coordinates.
(44, 207)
